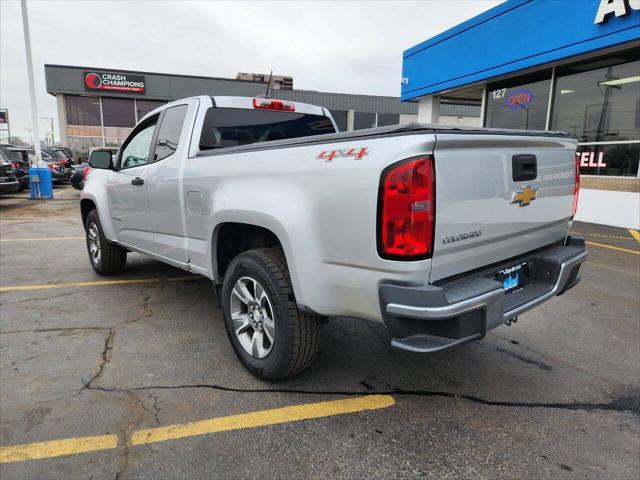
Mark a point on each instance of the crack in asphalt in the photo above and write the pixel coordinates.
(108, 346)
(108, 343)
(626, 403)
(527, 360)
(37, 299)
(125, 434)
(59, 329)
(156, 409)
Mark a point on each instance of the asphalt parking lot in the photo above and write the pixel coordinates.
(133, 377)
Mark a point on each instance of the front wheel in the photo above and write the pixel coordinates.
(272, 338)
(106, 258)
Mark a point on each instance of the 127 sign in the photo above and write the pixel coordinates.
(357, 153)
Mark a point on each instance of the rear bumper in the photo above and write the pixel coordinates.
(9, 184)
(467, 308)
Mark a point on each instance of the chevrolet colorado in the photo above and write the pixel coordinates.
(441, 233)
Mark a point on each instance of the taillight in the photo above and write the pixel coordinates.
(406, 210)
(576, 188)
(268, 104)
(85, 173)
(51, 166)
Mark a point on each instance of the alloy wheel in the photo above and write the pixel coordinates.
(252, 317)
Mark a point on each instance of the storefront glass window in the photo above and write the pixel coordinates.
(364, 120)
(82, 110)
(145, 106)
(521, 103)
(599, 105)
(118, 112)
(598, 101)
(80, 146)
(385, 119)
(610, 159)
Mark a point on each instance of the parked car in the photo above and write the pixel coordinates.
(54, 155)
(440, 233)
(66, 150)
(8, 180)
(19, 159)
(59, 174)
(57, 156)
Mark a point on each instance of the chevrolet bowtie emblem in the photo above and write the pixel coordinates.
(525, 196)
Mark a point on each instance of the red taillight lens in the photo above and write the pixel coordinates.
(576, 187)
(268, 104)
(85, 173)
(51, 166)
(406, 209)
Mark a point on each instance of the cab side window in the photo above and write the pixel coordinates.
(136, 151)
(169, 132)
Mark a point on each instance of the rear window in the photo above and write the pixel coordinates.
(230, 127)
(60, 154)
(13, 155)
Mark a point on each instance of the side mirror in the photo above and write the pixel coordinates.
(101, 159)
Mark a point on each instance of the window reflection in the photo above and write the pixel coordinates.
(599, 105)
(520, 104)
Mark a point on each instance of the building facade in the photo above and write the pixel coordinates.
(99, 107)
(562, 65)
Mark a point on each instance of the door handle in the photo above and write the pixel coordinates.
(524, 167)
(137, 181)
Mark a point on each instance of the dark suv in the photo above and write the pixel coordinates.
(8, 181)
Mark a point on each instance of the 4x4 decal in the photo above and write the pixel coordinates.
(357, 153)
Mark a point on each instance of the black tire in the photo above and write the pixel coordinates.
(113, 258)
(297, 334)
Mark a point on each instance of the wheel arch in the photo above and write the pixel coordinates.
(86, 205)
(258, 232)
(229, 239)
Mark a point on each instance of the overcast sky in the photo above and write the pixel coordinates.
(348, 47)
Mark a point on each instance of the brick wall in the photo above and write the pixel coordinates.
(614, 184)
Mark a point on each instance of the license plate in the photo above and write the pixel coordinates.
(512, 278)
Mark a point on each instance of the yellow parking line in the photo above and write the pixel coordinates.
(44, 239)
(57, 448)
(635, 234)
(296, 413)
(611, 247)
(260, 419)
(97, 283)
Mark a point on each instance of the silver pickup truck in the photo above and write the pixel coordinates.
(441, 233)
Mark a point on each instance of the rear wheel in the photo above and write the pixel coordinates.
(106, 258)
(272, 338)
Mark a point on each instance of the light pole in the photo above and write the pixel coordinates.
(53, 138)
(37, 186)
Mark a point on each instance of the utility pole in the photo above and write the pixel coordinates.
(32, 88)
(40, 182)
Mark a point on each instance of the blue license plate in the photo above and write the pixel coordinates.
(512, 278)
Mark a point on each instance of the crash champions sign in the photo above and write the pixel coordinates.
(113, 82)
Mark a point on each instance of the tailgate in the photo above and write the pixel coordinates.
(483, 215)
